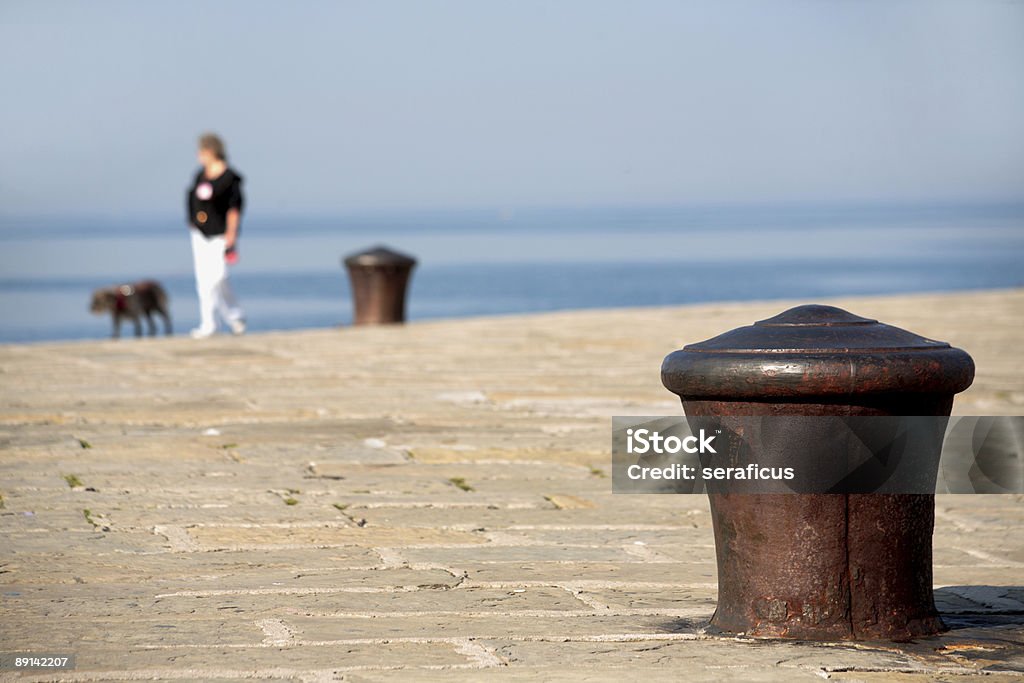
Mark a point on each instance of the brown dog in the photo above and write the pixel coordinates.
(133, 301)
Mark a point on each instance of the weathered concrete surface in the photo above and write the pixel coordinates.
(427, 502)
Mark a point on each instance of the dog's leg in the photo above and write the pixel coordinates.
(160, 306)
(150, 324)
(138, 325)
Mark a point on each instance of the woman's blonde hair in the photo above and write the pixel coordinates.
(213, 144)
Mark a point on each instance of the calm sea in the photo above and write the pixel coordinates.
(497, 262)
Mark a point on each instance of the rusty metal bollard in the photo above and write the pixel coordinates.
(379, 278)
(821, 566)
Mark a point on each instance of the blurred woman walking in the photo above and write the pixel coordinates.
(215, 213)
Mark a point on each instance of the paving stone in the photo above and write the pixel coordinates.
(335, 600)
(675, 597)
(485, 625)
(466, 455)
(929, 677)
(427, 600)
(489, 518)
(723, 656)
(195, 571)
(660, 538)
(109, 598)
(243, 662)
(427, 502)
(228, 537)
(671, 573)
(77, 634)
(977, 575)
(597, 671)
(83, 540)
(513, 554)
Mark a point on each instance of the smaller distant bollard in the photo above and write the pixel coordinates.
(379, 278)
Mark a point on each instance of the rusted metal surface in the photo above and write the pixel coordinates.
(821, 566)
(379, 278)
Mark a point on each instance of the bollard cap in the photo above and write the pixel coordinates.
(816, 350)
(379, 256)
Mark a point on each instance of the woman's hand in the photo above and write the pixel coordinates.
(231, 233)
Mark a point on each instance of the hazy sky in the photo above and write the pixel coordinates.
(341, 106)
